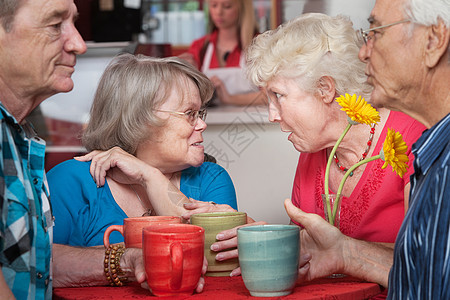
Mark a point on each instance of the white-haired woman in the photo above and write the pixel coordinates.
(303, 66)
(145, 134)
(221, 53)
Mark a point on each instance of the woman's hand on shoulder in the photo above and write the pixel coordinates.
(117, 164)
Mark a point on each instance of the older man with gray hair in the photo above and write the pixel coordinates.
(408, 63)
(38, 48)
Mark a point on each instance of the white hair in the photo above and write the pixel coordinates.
(307, 48)
(428, 12)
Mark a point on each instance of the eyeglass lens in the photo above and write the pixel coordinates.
(195, 115)
(364, 35)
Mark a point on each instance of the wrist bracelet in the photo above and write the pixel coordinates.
(112, 269)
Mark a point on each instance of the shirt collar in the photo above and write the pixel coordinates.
(431, 144)
(8, 117)
(25, 129)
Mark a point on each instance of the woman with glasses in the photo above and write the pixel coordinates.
(147, 156)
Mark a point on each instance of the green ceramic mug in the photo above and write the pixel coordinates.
(213, 223)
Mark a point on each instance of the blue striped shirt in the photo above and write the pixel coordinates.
(421, 267)
(25, 216)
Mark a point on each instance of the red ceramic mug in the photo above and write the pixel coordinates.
(173, 258)
(132, 229)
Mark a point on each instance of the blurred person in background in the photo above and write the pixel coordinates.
(220, 55)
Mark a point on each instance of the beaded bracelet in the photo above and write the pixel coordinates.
(112, 268)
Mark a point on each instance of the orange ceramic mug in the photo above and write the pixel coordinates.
(173, 258)
(132, 229)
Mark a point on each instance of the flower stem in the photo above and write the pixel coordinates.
(341, 185)
(327, 172)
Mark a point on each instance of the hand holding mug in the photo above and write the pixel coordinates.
(226, 240)
(133, 260)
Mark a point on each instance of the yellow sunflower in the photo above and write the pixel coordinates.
(358, 110)
(393, 153)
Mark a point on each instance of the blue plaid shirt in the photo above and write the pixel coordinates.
(26, 221)
(421, 267)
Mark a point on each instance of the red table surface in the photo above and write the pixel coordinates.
(233, 288)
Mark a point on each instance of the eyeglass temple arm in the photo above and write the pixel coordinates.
(383, 26)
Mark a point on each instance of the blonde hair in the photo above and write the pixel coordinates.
(247, 26)
(128, 92)
(308, 48)
(247, 23)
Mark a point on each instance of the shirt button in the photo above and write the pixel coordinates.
(39, 275)
(35, 181)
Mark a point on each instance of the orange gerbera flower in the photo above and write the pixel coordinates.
(394, 152)
(358, 110)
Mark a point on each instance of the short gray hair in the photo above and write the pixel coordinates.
(428, 12)
(308, 48)
(128, 92)
(8, 9)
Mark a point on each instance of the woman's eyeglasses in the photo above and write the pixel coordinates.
(192, 116)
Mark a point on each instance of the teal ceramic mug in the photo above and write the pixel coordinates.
(268, 257)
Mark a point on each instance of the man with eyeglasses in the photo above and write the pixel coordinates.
(408, 63)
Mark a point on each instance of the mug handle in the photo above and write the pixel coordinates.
(108, 231)
(176, 256)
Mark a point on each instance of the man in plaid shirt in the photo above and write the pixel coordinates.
(38, 48)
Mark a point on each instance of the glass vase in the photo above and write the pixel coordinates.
(333, 202)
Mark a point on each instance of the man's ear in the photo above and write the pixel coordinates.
(327, 89)
(437, 43)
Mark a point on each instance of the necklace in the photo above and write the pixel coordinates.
(149, 211)
(364, 155)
